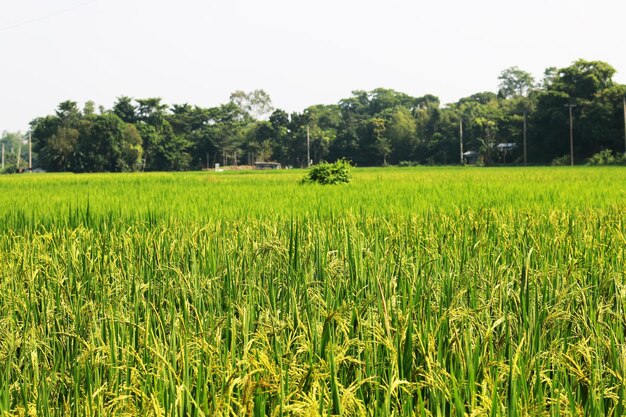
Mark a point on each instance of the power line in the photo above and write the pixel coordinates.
(49, 16)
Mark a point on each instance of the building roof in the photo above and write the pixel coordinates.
(507, 146)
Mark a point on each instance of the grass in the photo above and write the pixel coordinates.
(202, 197)
(425, 291)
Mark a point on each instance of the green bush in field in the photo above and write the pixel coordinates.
(327, 173)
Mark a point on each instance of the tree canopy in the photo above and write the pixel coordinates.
(377, 127)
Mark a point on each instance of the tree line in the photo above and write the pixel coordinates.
(377, 127)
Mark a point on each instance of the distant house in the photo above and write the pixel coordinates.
(266, 165)
(506, 147)
(471, 157)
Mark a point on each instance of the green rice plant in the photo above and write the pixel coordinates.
(413, 291)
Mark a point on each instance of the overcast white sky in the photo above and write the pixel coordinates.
(300, 52)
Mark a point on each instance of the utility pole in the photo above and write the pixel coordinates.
(525, 129)
(30, 151)
(308, 147)
(19, 153)
(461, 140)
(571, 134)
(624, 102)
(3, 156)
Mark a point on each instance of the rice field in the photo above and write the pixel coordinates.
(409, 292)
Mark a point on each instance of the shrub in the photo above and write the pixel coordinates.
(561, 161)
(326, 173)
(9, 169)
(606, 157)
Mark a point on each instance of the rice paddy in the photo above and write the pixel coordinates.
(409, 292)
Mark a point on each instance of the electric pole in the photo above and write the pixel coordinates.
(571, 134)
(19, 154)
(461, 139)
(624, 102)
(30, 151)
(525, 129)
(308, 147)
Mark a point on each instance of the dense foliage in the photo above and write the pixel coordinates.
(375, 127)
(606, 157)
(14, 153)
(326, 173)
(412, 292)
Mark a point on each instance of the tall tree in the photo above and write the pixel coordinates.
(108, 144)
(255, 104)
(125, 109)
(401, 131)
(164, 150)
(590, 87)
(381, 143)
(279, 121)
(584, 79)
(68, 113)
(11, 142)
(515, 82)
